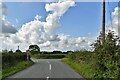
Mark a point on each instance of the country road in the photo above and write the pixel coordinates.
(47, 69)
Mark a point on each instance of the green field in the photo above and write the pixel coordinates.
(49, 56)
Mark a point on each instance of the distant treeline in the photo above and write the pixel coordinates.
(56, 52)
(11, 57)
(40, 52)
(49, 56)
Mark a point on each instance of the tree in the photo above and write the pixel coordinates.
(18, 50)
(11, 52)
(34, 49)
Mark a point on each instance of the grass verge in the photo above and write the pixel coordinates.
(84, 69)
(16, 68)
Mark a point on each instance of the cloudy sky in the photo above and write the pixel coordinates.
(64, 25)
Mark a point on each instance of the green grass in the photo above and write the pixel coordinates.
(16, 68)
(84, 69)
(0, 74)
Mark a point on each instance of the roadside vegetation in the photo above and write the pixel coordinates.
(82, 62)
(84, 69)
(10, 70)
(34, 51)
(13, 62)
(49, 56)
(102, 63)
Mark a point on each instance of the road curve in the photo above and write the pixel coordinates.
(47, 69)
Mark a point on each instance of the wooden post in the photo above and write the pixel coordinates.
(103, 21)
(28, 56)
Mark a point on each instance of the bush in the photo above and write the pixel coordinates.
(14, 62)
(11, 59)
(80, 56)
(107, 57)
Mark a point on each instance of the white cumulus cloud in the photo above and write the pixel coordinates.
(57, 9)
(44, 33)
(115, 21)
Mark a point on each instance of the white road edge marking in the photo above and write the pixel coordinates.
(47, 78)
(50, 66)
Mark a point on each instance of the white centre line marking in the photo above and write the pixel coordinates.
(47, 61)
(36, 60)
(47, 78)
(50, 66)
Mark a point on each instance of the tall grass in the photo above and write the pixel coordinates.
(15, 68)
(84, 69)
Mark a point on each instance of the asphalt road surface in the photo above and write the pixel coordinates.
(47, 69)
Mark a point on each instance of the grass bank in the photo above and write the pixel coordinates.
(84, 69)
(10, 70)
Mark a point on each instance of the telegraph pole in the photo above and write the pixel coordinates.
(103, 21)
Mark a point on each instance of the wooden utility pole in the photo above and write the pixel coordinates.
(103, 21)
(28, 58)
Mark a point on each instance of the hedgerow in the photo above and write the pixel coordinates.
(105, 58)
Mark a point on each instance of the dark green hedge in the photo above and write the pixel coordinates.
(49, 56)
(12, 59)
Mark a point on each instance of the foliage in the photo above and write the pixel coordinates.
(80, 56)
(11, 52)
(49, 56)
(104, 60)
(15, 68)
(34, 49)
(12, 59)
(18, 51)
(13, 62)
(84, 69)
(107, 57)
